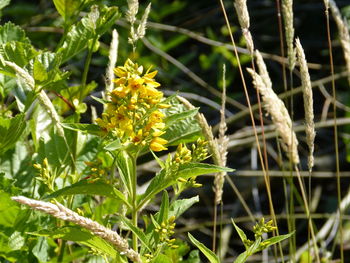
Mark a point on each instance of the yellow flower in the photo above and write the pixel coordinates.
(127, 113)
(157, 144)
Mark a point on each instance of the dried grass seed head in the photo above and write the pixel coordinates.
(308, 102)
(287, 9)
(280, 117)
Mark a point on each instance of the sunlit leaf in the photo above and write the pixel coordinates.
(178, 207)
(11, 32)
(87, 187)
(66, 8)
(85, 128)
(79, 235)
(137, 231)
(11, 130)
(161, 181)
(210, 255)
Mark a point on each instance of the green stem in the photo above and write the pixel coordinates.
(86, 67)
(134, 203)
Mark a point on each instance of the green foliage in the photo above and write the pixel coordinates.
(10, 131)
(51, 149)
(206, 251)
(258, 244)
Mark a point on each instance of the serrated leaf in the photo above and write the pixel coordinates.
(93, 25)
(84, 128)
(79, 235)
(206, 251)
(45, 70)
(161, 181)
(99, 187)
(66, 8)
(180, 206)
(16, 241)
(10, 131)
(16, 52)
(11, 32)
(137, 231)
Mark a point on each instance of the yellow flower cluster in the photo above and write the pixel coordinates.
(133, 112)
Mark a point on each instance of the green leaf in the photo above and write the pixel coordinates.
(45, 70)
(163, 213)
(8, 185)
(99, 187)
(206, 251)
(16, 241)
(56, 150)
(39, 72)
(159, 161)
(16, 52)
(4, 3)
(10, 131)
(8, 210)
(241, 258)
(180, 206)
(162, 259)
(195, 169)
(81, 236)
(254, 248)
(66, 8)
(113, 146)
(182, 126)
(273, 240)
(240, 232)
(102, 101)
(84, 128)
(11, 32)
(40, 250)
(174, 118)
(193, 257)
(137, 231)
(93, 25)
(126, 168)
(163, 180)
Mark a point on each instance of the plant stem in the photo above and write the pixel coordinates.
(86, 67)
(330, 47)
(134, 203)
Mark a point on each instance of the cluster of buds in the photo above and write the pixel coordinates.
(184, 155)
(166, 230)
(199, 150)
(96, 168)
(260, 228)
(133, 112)
(44, 174)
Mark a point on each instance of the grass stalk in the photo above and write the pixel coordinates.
(341, 234)
(266, 180)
